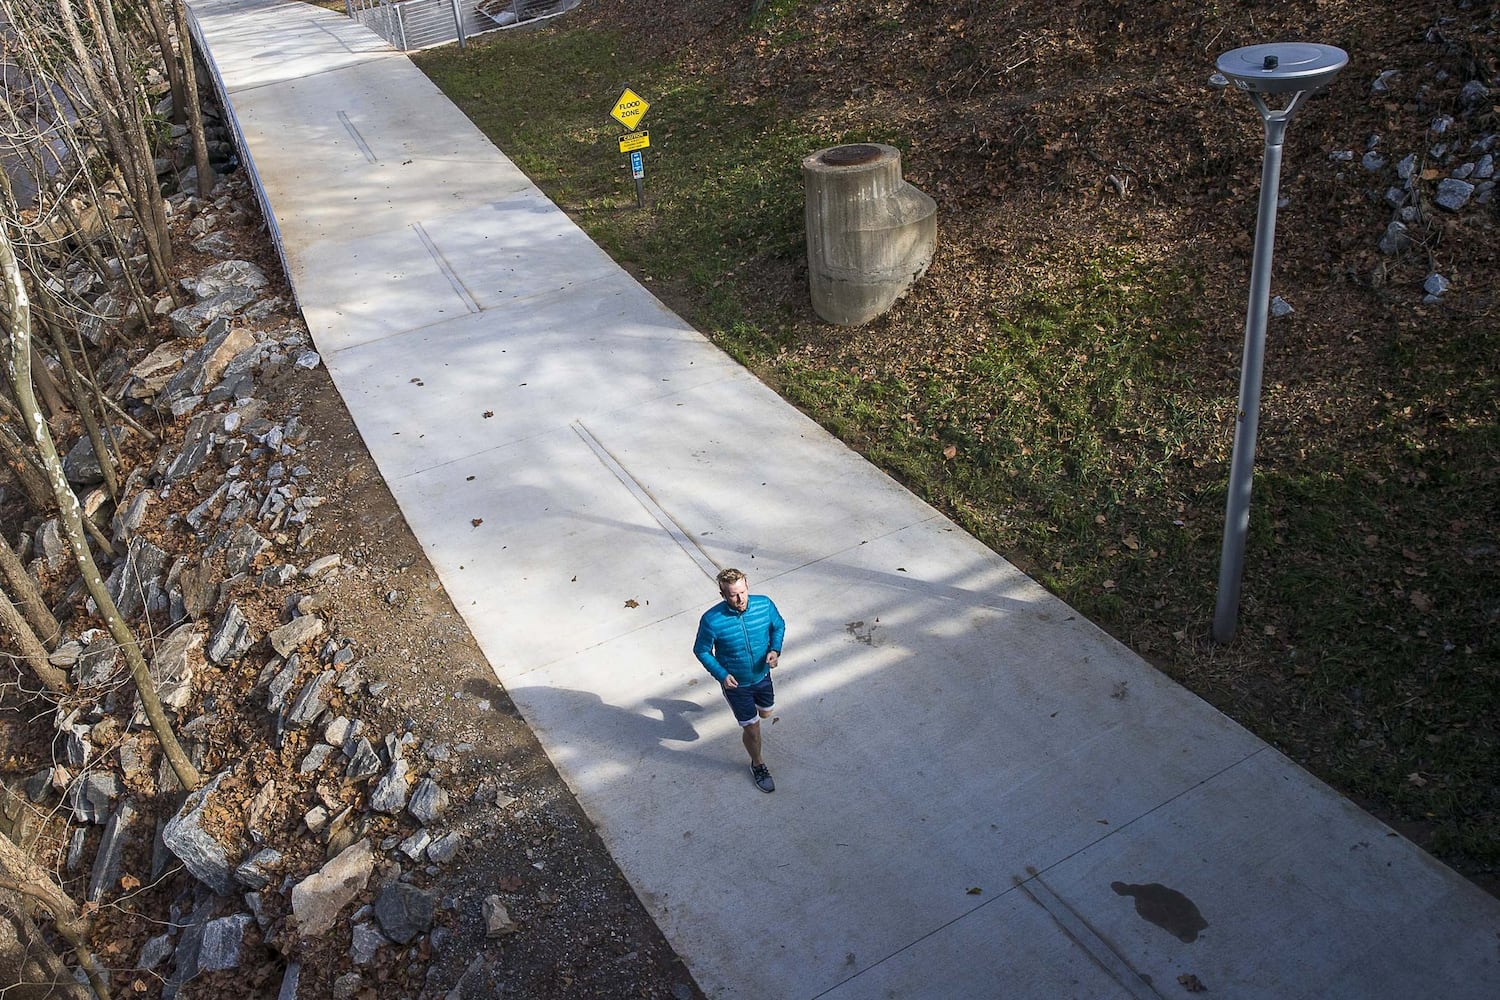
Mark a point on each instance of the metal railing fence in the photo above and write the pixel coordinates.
(421, 24)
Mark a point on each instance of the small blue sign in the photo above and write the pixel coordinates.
(637, 165)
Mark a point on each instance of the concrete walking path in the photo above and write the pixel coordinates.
(980, 794)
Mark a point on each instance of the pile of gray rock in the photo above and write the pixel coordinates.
(1447, 171)
(215, 533)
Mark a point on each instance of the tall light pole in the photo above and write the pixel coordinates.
(1279, 68)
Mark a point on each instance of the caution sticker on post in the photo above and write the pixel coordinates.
(634, 141)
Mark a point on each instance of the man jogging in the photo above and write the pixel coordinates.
(739, 641)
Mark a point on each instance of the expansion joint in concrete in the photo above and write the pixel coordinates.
(646, 500)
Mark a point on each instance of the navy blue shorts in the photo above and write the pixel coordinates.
(749, 701)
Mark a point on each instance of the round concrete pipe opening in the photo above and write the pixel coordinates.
(850, 156)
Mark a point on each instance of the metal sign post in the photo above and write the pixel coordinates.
(628, 111)
(1298, 69)
(638, 171)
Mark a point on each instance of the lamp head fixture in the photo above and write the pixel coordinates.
(1282, 67)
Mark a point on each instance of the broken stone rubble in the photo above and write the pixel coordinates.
(312, 702)
(184, 570)
(90, 797)
(367, 940)
(118, 834)
(404, 911)
(205, 366)
(232, 639)
(287, 638)
(1451, 177)
(390, 792)
(318, 899)
(428, 800)
(200, 852)
(256, 871)
(172, 669)
(222, 942)
(497, 921)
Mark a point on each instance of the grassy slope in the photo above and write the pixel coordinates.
(1062, 381)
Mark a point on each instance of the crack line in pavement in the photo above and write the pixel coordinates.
(358, 139)
(645, 499)
(442, 262)
(1077, 928)
(1035, 875)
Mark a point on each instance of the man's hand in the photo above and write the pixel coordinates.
(773, 658)
(730, 683)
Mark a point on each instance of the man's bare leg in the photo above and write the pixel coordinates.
(751, 736)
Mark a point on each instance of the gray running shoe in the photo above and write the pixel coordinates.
(762, 776)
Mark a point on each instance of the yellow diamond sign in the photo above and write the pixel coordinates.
(630, 109)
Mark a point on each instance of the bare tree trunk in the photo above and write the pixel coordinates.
(126, 141)
(103, 15)
(62, 200)
(25, 640)
(104, 448)
(27, 958)
(194, 108)
(114, 407)
(47, 385)
(175, 69)
(137, 294)
(25, 877)
(17, 458)
(15, 309)
(28, 598)
(31, 20)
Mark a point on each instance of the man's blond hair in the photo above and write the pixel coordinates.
(728, 576)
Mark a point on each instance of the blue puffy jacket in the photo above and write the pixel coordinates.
(734, 642)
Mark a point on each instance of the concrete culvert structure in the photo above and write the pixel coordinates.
(870, 235)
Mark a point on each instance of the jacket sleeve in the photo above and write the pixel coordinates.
(778, 628)
(703, 649)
